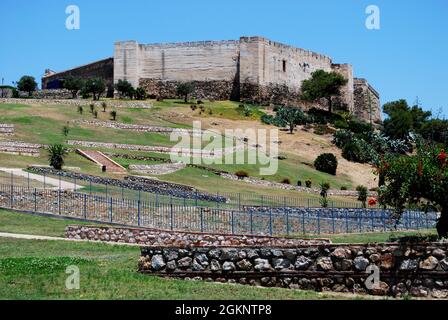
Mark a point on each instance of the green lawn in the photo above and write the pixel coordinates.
(36, 270)
(31, 269)
(13, 222)
(43, 124)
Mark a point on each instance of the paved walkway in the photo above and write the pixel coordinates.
(48, 181)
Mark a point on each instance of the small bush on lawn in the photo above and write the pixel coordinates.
(344, 188)
(327, 163)
(193, 107)
(308, 183)
(299, 183)
(241, 174)
(362, 195)
(286, 181)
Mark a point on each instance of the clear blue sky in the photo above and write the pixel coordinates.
(407, 57)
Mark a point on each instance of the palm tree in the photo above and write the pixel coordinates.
(56, 154)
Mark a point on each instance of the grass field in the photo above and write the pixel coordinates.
(44, 124)
(32, 269)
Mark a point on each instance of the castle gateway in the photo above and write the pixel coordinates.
(249, 69)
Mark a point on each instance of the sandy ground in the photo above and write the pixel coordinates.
(306, 145)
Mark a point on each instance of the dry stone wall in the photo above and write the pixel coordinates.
(404, 269)
(157, 237)
(79, 102)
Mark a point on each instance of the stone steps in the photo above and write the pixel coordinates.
(102, 160)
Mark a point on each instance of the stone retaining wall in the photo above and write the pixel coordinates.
(131, 127)
(157, 237)
(184, 152)
(79, 102)
(20, 148)
(416, 270)
(6, 129)
(134, 183)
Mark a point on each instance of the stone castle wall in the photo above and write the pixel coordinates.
(251, 69)
(100, 69)
(366, 102)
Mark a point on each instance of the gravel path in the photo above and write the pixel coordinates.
(48, 181)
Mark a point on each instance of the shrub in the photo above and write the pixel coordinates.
(200, 102)
(322, 129)
(357, 126)
(342, 137)
(193, 107)
(308, 183)
(95, 114)
(65, 130)
(362, 195)
(299, 183)
(341, 124)
(80, 109)
(344, 188)
(286, 181)
(245, 110)
(267, 119)
(104, 106)
(323, 116)
(241, 174)
(327, 163)
(56, 154)
(324, 187)
(140, 94)
(359, 150)
(113, 114)
(124, 88)
(92, 107)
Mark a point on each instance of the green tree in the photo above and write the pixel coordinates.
(418, 179)
(124, 88)
(401, 119)
(74, 85)
(362, 195)
(140, 94)
(56, 155)
(184, 90)
(323, 84)
(291, 117)
(113, 114)
(96, 87)
(27, 84)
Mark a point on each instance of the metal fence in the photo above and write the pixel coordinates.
(250, 220)
(218, 200)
